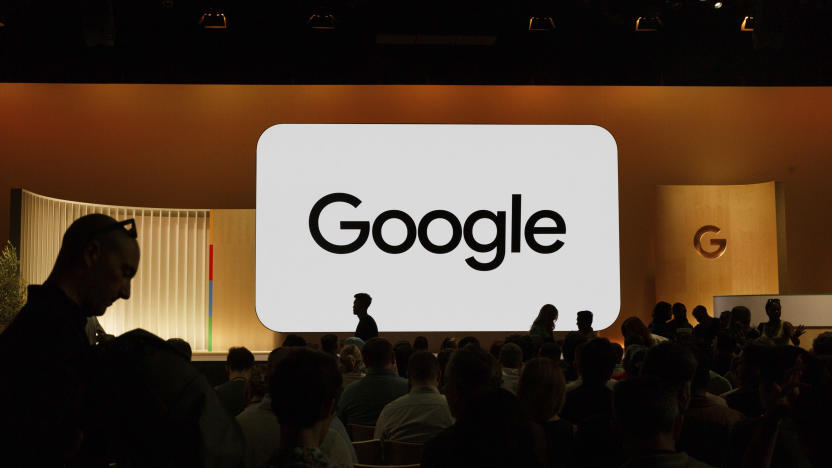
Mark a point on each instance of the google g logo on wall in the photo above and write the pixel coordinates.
(720, 244)
(448, 227)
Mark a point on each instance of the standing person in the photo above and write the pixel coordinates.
(680, 318)
(50, 401)
(238, 365)
(366, 328)
(776, 330)
(544, 325)
(584, 323)
(661, 316)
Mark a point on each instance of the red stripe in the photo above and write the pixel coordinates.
(211, 262)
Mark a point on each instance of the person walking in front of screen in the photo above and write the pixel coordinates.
(776, 330)
(366, 328)
(544, 325)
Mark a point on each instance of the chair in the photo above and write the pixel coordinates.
(358, 432)
(369, 452)
(402, 453)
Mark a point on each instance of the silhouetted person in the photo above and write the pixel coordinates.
(680, 318)
(551, 351)
(366, 328)
(511, 361)
(420, 343)
(544, 325)
(363, 400)
(182, 347)
(403, 350)
(745, 398)
(293, 340)
(45, 357)
(741, 329)
(648, 417)
(238, 365)
(469, 340)
(449, 342)
(584, 323)
(661, 316)
(593, 397)
(707, 328)
(329, 344)
(779, 331)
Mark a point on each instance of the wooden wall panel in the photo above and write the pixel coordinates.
(235, 321)
(747, 218)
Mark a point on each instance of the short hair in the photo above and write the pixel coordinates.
(81, 232)
(670, 362)
(822, 344)
(471, 370)
(239, 359)
(274, 357)
(700, 309)
(645, 406)
(402, 350)
(679, 310)
(541, 389)
(420, 343)
(595, 361)
(302, 385)
(525, 343)
(662, 311)
(465, 341)
(329, 343)
(449, 342)
(423, 367)
(550, 350)
(292, 340)
(377, 353)
(182, 347)
(741, 314)
(364, 299)
(585, 315)
(570, 345)
(511, 356)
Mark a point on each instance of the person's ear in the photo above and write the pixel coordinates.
(91, 253)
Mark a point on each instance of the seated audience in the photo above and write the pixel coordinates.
(649, 420)
(592, 398)
(350, 364)
(403, 350)
(541, 392)
(238, 365)
(420, 343)
(490, 429)
(354, 340)
(724, 354)
(634, 357)
(822, 349)
(329, 344)
(511, 360)
(304, 386)
(363, 400)
(544, 325)
(584, 323)
(423, 412)
(661, 317)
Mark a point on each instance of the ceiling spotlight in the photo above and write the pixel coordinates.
(213, 19)
(717, 5)
(648, 23)
(747, 24)
(321, 21)
(541, 23)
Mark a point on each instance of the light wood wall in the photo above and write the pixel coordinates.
(747, 218)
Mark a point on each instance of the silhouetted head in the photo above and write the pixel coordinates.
(511, 356)
(633, 326)
(680, 312)
(541, 389)
(402, 350)
(661, 312)
(822, 345)
(595, 361)
(700, 313)
(239, 360)
(350, 358)
(645, 407)
(420, 343)
(361, 303)
(304, 386)
(329, 344)
(725, 320)
(423, 369)
(469, 340)
(547, 316)
(551, 351)
(584, 321)
(293, 340)
(470, 372)
(448, 343)
(182, 347)
(98, 258)
(674, 364)
(741, 317)
(377, 353)
(773, 309)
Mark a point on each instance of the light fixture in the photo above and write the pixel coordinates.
(747, 24)
(213, 19)
(2, 24)
(321, 21)
(717, 5)
(648, 23)
(541, 23)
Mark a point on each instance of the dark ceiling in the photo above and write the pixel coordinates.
(417, 42)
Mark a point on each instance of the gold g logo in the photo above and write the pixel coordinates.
(719, 243)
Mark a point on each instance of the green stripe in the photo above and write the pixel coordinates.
(210, 332)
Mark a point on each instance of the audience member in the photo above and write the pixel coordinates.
(304, 387)
(551, 351)
(329, 344)
(707, 327)
(526, 343)
(363, 400)
(584, 323)
(724, 354)
(423, 412)
(591, 395)
(725, 320)
(443, 357)
(353, 340)
(541, 391)
(490, 429)
(570, 344)
(649, 420)
(741, 330)
(449, 342)
(232, 393)
(634, 357)
(469, 340)
(402, 350)
(633, 326)
(495, 348)
(618, 371)
(661, 316)
(544, 325)
(745, 397)
(46, 347)
(776, 330)
(293, 340)
(420, 343)
(511, 360)
(350, 364)
(680, 318)
(182, 347)
(366, 328)
(674, 364)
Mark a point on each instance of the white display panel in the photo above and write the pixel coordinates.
(811, 310)
(416, 169)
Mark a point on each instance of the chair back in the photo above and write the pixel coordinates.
(369, 452)
(402, 453)
(358, 432)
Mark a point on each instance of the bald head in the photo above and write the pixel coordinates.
(96, 262)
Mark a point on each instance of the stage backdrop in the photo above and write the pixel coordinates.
(715, 240)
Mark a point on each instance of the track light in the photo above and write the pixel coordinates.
(321, 21)
(648, 23)
(541, 23)
(213, 19)
(747, 24)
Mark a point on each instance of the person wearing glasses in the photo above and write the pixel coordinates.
(46, 360)
(776, 330)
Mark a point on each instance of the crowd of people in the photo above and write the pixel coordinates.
(721, 393)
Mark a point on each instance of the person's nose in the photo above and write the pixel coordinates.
(125, 290)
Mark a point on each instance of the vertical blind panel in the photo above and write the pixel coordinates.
(169, 294)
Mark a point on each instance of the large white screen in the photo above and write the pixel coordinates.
(571, 170)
